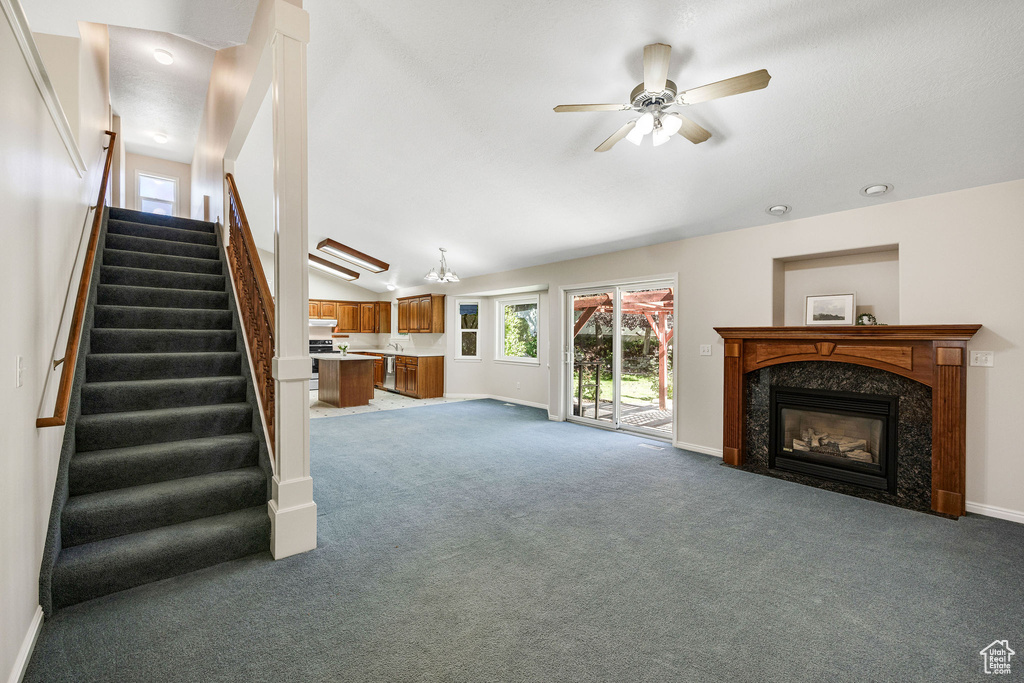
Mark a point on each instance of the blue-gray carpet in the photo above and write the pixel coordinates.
(477, 541)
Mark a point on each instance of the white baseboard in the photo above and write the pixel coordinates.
(506, 399)
(27, 646)
(997, 512)
(556, 418)
(706, 450)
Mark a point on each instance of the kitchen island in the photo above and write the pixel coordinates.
(345, 380)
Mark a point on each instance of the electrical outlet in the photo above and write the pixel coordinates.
(705, 349)
(518, 386)
(982, 359)
(20, 372)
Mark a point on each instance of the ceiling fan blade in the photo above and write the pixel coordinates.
(615, 137)
(693, 132)
(593, 107)
(755, 80)
(656, 58)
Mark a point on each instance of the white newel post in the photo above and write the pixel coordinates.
(292, 510)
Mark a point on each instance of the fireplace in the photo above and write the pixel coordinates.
(835, 435)
(933, 358)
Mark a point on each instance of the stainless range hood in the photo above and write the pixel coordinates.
(322, 322)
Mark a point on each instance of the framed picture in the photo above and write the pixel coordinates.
(830, 309)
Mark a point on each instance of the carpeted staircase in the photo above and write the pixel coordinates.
(165, 474)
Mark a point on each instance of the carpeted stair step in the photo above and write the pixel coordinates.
(154, 297)
(114, 367)
(132, 216)
(118, 340)
(151, 246)
(153, 394)
(160, 232)
(143, 277)
(88, 571)
(143, 317)
(118, 430)
(115, 468)
(98, 516)
(180, 264)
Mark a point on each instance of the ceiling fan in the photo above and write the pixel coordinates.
(656, 95)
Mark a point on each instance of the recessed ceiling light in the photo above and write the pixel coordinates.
(778, 210)
(392, 288)
(159, 138)
(876, 189)
(163, 56)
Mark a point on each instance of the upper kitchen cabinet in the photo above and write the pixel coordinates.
(424, 313)
(375, 317)
(314, 310)
(348, 317)
(328, 309)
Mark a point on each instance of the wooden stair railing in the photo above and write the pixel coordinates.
(256, 306)
(67, 373)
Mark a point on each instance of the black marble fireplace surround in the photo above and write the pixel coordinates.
(914, 425)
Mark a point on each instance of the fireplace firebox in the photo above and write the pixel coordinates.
(836, 435)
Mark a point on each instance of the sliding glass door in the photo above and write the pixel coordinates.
(620, 348)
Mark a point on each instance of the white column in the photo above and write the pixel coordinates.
(292, 510)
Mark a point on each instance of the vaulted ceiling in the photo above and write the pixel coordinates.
(431, 124)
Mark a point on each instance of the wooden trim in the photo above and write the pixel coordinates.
(256, 306)
(67, 373)
(902, 332)
(26, 43)
(933, 355)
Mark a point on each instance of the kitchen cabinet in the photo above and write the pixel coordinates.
(419, 377)
(314, 310)
(384, 317)
(328, 309)
(424, 313)
(348, 317)
(368, 317)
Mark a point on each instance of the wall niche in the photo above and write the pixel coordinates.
(872, 273)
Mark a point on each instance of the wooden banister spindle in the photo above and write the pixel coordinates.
(256, 306)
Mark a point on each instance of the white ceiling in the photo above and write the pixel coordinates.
(153, 98)
(214, 23)
(430, 124)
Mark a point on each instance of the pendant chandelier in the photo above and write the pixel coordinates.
(445, 274)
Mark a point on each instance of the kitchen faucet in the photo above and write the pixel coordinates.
(398, 348)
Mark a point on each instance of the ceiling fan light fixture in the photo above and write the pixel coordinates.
(334, 269)
(670, 123)
(645, 124)
(660, 136)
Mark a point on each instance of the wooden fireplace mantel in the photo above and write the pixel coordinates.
(935, 355)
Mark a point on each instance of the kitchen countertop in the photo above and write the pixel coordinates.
(337, 356)
(392, 352)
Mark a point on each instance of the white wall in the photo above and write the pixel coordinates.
(959, 262)
(46, 207)
(134, 163)
(873, 277)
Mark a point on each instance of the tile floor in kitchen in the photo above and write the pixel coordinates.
(382, 400)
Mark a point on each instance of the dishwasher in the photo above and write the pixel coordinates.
(389, 373)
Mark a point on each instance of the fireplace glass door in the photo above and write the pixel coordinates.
(842, 436)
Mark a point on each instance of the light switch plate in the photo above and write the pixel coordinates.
(21, 371)
(984, 359)
(705, 349)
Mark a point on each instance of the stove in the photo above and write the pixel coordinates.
(319, 346)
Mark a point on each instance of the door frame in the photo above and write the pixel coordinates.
(567, 323)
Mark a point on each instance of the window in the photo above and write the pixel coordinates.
(517, 329)
(157, 194)
(467, 313)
